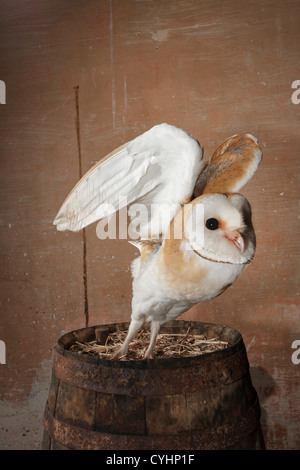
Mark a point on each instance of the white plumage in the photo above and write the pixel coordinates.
(163, 168)
(158, 167)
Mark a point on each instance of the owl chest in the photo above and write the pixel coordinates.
(195, 279)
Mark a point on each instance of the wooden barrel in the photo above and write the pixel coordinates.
(202, 402)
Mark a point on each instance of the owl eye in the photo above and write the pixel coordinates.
(212, 224)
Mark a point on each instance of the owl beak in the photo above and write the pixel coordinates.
(236, 238)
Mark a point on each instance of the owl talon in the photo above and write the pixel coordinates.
(148, 356)
(118, 354)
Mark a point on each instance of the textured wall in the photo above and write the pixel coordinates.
(213, 68)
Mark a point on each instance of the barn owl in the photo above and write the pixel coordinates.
(163, 169)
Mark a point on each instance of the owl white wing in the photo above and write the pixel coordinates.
(158, 168)
(232, 165)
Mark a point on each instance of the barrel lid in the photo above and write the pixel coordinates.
(210, 330)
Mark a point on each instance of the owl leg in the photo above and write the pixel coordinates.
(134, 326)
(155, 326)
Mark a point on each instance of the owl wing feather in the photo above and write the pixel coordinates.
(159, 167)
(232, 165)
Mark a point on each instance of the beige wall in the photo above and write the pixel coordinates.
(214, 68)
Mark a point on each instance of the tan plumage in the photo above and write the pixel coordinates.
(163, 169)
(231, 167)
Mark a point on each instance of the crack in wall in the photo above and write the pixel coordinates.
(84, 241)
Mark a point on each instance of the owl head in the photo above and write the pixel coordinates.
(219, 228)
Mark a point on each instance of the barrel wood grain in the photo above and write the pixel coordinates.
(107, 404)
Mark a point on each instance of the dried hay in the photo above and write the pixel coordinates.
(168, 345)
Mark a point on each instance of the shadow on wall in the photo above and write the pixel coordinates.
(264, 385)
